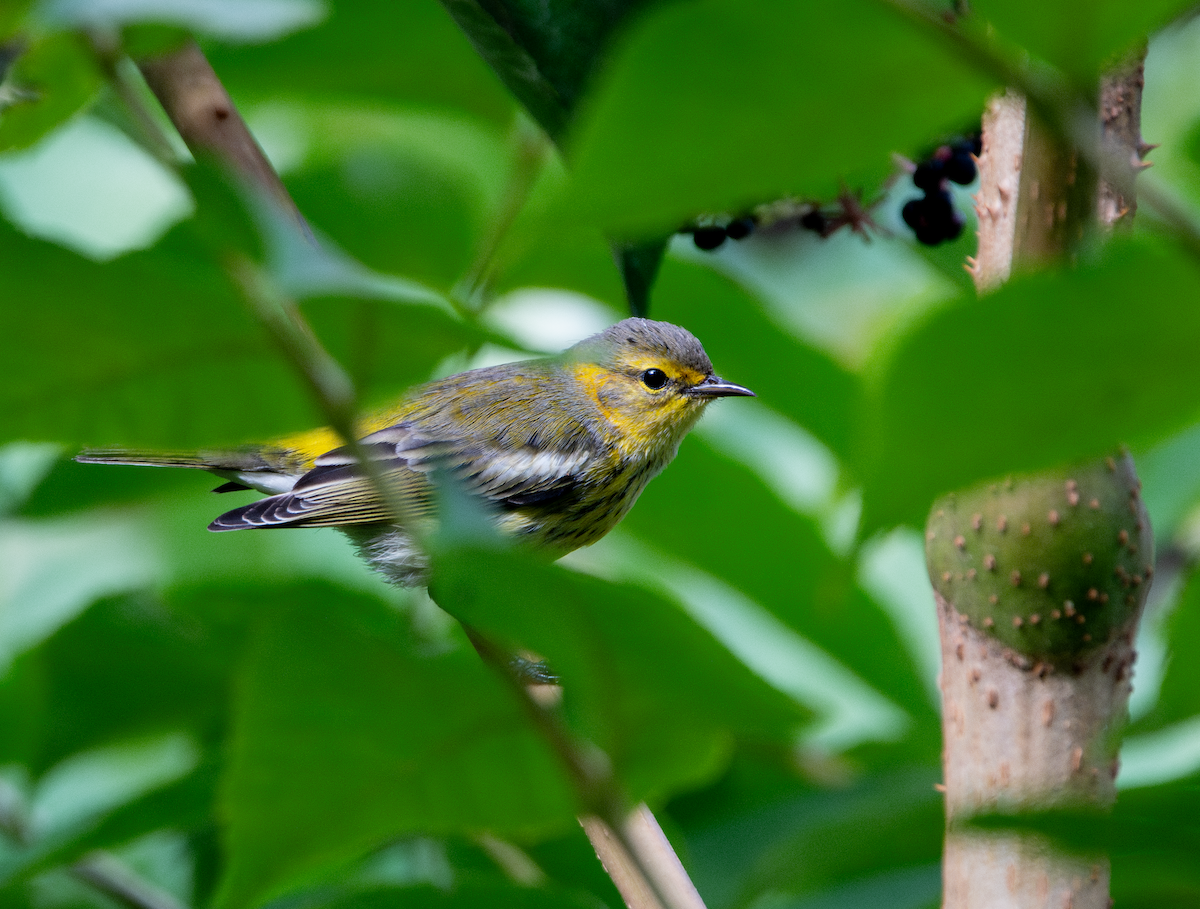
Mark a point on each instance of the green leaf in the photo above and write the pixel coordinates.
(1081, 36)
(70, 486)
(884, 826)
(1151, 839)
(394, 213)
(642, 681)
(1050, 368)
(52, 80)
(407, 52)
(742, 533)
(11, 14)
(105, 657)
(157, 348)
(1170, 472)
(721, 104)
(231, 20)
(183, 804)
(348, 732)
(57, 568)
(1179, 696)
(76, 795)
(514, 64)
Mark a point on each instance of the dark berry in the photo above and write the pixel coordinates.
(741, 228)
(708, 237)
(913, 213)
(961, 168)
(954, 229)
(933, 218)
(815, 221)
(929, 175)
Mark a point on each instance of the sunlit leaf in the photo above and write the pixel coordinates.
(232, 20)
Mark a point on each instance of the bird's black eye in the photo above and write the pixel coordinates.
(654, 379)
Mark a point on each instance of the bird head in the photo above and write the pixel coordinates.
(651, 379)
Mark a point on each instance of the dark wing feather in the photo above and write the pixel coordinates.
(334, 493)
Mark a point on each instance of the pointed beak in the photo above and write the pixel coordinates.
(716, 387)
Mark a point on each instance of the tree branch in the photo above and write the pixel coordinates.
(207, 120)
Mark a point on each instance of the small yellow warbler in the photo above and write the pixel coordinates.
(558, 448)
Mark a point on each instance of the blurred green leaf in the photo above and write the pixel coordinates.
(1081, 36)
(410, 52)
(1151, 838)
(49, 82)
(547, 54)
(740, 532)
(23, 466)
(537, 252)
(641, 680)
(72, 798)
(513, 63)
(187, 650)
(1179, 696)
(1170, 472)
(571, 861)
(11, 13)
(347, 731)
(891, 821)
(183, 804)
(1050, 368)
(719, 104)
(157, 349)
(154, 348)
(395, 215)
(70, 486)
(231, 20)
(55, 569)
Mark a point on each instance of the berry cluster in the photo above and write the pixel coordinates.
(933, 217)
(709, 236)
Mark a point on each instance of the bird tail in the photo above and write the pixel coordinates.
(267, 470)
(200, 460)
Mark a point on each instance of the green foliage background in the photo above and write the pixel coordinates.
(253, 719)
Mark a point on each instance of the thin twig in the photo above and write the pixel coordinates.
(532, 147)
(652, 876)
(206, 118)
